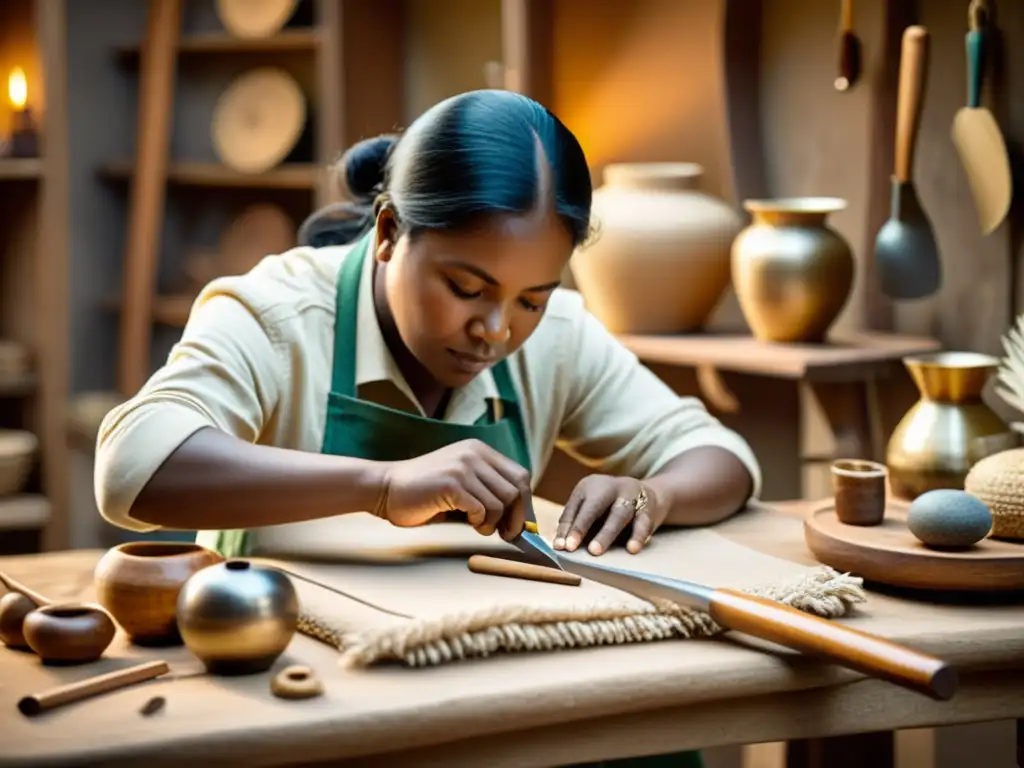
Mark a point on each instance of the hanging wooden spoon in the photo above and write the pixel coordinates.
(849, 49)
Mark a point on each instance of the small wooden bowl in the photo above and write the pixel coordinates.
(139, 582)
(71, 633)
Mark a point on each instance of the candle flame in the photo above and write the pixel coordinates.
(17, 88)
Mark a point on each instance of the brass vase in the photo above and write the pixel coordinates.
(949, 429)
(791, 271)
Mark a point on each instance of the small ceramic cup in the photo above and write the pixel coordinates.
(859, 488)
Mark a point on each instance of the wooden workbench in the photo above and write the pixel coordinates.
(515, 710)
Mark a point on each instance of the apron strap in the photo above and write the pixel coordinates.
(346, 319)
(510, 400)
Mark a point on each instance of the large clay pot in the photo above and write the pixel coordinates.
(792, 272)
(949, 429)
(660, 262)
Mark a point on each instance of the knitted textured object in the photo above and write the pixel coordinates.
(998, 480)
(515, 628)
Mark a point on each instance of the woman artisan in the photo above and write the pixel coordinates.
(417, 360)
(431, 365)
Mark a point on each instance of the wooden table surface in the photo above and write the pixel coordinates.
(516, 710)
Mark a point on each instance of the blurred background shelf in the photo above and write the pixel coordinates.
(212, 43)
(302, 176)
(20, 169)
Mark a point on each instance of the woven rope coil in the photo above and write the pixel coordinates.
(506, 628)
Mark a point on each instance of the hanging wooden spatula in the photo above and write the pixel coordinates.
(977, 136)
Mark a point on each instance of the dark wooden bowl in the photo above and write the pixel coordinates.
(71, 633)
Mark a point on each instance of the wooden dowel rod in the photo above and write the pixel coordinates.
(92, 686)
(497, 566)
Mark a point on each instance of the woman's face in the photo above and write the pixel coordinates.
(462, 302)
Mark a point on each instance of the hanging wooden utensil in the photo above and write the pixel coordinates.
(255, 18)
(906, 255)
(258, 120)
(849, 49)
(976, 134)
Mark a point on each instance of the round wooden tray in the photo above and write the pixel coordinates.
(255, 18)
(258, 120)
(890, 554)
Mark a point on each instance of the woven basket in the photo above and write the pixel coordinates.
(18, 450)
(998, 480)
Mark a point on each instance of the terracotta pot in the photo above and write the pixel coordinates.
(791, 271)
(660, 261)
(949, 429)
(139, 582)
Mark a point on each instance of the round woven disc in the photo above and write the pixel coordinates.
(259, 230)
(258, 120)
(254, 18)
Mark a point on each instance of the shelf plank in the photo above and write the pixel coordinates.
(303, 176)
(841, 358)
(20, 168)
(170, 309)
(25, 511)
(290, 40)
(17, 386)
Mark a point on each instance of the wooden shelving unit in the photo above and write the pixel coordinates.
(33, 266)
(355, 88)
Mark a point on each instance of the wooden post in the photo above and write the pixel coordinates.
(148, 191)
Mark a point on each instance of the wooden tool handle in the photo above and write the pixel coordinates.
(21, 589)
(498, 566)
(913, 72)
(974, 42)
(846, 16)
(93, 686)
(872, 655)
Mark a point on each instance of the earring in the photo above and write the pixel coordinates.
(508, 334)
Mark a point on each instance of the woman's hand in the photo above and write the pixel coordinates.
(615, 501)
(469, 477)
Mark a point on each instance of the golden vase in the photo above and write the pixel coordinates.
(791, 271)
(949, 429)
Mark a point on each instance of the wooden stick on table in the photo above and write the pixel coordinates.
(499, 566)
(92, 686)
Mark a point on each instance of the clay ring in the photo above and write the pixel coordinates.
(296, 682)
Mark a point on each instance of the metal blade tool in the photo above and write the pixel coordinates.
(766, 619)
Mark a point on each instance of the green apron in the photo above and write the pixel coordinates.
(360, 428)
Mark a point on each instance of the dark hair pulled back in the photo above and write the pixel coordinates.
(467, 157)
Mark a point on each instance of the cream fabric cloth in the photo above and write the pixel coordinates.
(407, 595)
(255, 360)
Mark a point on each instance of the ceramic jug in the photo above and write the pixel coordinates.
(660, 260)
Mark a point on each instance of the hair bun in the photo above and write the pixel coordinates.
(361, 169)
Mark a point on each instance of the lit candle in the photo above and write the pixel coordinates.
(24, 140)
(17, 89)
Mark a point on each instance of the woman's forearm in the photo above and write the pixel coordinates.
(216, 481)
(702, 486)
